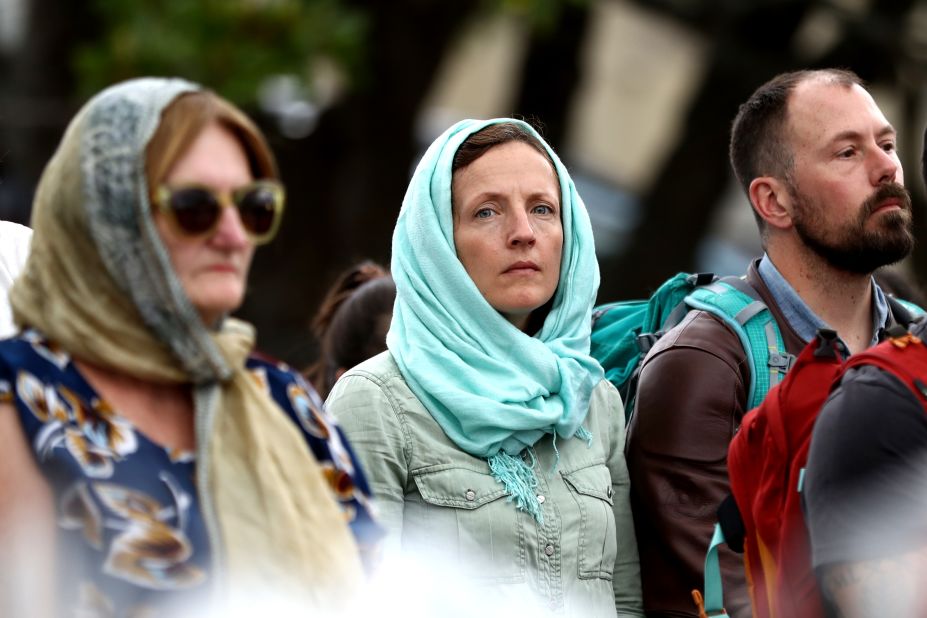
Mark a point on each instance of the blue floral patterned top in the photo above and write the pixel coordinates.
(132, 540)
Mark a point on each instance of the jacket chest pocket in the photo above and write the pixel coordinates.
(591, 489)
(465, 517)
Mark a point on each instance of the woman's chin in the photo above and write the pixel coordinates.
(212, 313)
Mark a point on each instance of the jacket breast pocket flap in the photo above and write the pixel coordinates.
(594, 481)
(596, 535)
(458, 488)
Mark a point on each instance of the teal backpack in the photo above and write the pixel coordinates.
(623, 332)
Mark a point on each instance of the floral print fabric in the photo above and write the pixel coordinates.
(132, 540)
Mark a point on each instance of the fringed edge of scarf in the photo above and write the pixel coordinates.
(519, 479)
(585, 435)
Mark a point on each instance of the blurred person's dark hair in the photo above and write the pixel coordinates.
(759, 143)
(351, 322)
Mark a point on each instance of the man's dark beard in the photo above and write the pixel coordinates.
(856, 249)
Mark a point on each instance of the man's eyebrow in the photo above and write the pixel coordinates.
(887, 130)
(850, 134)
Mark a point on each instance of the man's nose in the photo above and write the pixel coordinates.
(885, 168)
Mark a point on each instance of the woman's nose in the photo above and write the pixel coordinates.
(522, 232)
(230, 232)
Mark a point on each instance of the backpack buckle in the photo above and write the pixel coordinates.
(700, 279)
(828, 343)
(781, 362)
(700, 606)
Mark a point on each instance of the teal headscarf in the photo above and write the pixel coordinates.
(492, 388)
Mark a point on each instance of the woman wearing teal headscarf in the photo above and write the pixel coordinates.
(488, 431)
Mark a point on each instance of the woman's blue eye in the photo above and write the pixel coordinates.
(544, 209)
(483, 213)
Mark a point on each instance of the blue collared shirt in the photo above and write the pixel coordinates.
(799, 315)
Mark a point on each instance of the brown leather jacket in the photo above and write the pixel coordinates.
(690, 402)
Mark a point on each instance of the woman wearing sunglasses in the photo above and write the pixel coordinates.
(492, 440)
(151, 464)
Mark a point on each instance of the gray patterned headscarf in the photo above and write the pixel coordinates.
(121, 120)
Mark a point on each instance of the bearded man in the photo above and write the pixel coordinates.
(818, 162)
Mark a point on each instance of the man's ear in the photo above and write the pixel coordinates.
(771, 199)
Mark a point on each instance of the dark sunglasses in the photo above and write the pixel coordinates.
(196, 210)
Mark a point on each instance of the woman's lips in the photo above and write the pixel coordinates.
(522, 268)
(223, 268)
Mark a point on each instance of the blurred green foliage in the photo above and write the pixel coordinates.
(231, 45)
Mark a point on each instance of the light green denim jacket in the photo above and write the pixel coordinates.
(439, 503)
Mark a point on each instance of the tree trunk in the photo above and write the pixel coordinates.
(36, 98)
(552, 71)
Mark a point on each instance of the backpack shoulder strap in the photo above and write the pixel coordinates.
(903, 312)
(738, 305)
(712, 604)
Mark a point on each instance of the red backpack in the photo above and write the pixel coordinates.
(766, 464)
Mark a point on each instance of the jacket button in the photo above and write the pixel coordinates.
(541, 499)
(549, 550)
(471, 495)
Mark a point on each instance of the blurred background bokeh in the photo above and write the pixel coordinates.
(636, 95)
